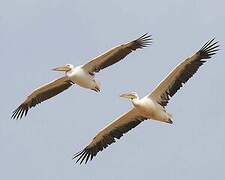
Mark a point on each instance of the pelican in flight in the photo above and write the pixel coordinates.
(83, 75)
(151, 106)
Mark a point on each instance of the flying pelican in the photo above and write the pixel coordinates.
(151, 106)
(83, 75)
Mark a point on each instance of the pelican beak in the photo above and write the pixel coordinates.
(126, 96)
(62, 68)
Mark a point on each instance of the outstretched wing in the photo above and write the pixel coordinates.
(41, 94)
(107, 136)
(182, 73)
(116, 54)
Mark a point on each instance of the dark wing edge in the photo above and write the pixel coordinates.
(36, 98)
(122, 51)
(191, 65)
(116, 54)
(92, 149)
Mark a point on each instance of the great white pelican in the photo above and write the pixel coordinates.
(151, 106)
(83, 75)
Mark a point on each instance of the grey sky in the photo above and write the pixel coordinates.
(37, 35)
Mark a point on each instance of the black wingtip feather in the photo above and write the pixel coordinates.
(77, 154)
(80, 156)
(20, 112)
(87, 158)
(144, 40)
(207, 43)
(209, 49)
(84, 156)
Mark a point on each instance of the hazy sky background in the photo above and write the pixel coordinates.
(38, 35)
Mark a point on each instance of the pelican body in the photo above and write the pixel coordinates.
(78, 75)
(148, 107)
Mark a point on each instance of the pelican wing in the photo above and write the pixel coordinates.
(182, 73)
(41, 94)
(116, 54)
(107, 136)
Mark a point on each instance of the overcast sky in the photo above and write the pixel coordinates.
(38, 35)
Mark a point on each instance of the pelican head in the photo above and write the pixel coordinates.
(130, 95)
(66, 68)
